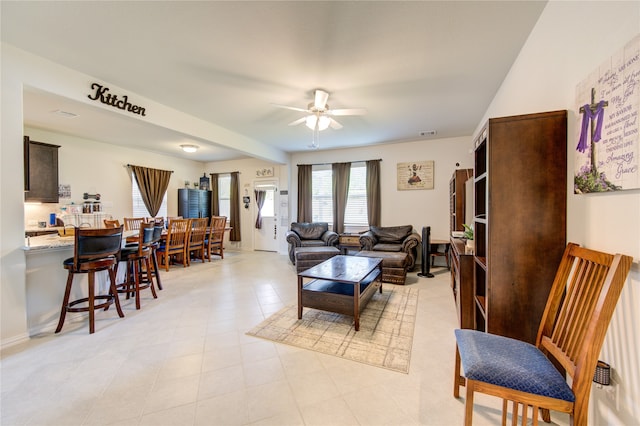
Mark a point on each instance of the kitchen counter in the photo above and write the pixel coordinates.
(50, 241)
(56, 242)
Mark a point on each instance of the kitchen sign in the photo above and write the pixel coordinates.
(101, 94)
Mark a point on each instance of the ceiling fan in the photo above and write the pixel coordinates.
(318, 114)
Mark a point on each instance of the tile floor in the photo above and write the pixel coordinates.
(184, 359)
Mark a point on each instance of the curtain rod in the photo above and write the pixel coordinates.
(224, 173)
(129, 165)
(328, 164)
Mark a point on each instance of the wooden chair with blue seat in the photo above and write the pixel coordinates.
(579, 308)
(95, 250)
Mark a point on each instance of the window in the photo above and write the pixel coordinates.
(139, 209)
(224, 195)
(356, 211)
(322, 201)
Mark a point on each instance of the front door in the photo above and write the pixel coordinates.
(266, 237)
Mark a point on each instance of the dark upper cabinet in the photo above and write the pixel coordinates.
(194, 203)
(40, 171)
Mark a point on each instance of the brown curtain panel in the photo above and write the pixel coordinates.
(340, 180)
(304, 193)
(260, 197)
(234, 235)
(373, 192)
(153, 184)
(215, 197)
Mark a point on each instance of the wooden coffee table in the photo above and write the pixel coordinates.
(342, 284)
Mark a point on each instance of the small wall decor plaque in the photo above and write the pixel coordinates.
(264, 172)
(415, 175)
(102, 94)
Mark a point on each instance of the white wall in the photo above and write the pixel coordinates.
(570, 40)
(417, 207)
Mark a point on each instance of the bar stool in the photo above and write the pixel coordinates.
(158, 229)
(139, 274)
(95, 250)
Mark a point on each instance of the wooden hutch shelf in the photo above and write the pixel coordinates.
(520, 193)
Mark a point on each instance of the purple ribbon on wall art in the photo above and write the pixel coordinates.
(598, 115)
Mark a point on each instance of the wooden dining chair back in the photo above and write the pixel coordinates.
(197, 238)
(133, 223)
(579, 308)
(111, 223)
(138, 257)
(94, 250)
(175, 243)
(214, 244)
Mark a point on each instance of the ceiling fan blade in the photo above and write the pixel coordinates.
(290, 107)
(298, 121)
(320, 101)
(335, 125)
(347, 111)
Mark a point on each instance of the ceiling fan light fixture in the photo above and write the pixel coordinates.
(322, 121)
(189, 148)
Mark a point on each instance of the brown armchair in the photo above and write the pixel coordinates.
(392, 239)
(314, 234)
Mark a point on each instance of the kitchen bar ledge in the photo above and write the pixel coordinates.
(56, 242)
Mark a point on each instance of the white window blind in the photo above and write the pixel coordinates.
(356, 212)
(322, 202)
(139, 209)
(224, 195)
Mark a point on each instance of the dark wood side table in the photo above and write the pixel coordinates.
(349, 242)
(435, 252)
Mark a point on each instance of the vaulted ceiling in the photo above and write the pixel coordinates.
(413, 65)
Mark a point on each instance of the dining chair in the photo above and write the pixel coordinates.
(109, 223)
(175, 243)
(197, 237)
(583, 297)
(214, 243)
(94, 250)
(138, 257)
(133, 223)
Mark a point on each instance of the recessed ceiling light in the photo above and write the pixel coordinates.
(189, 148)
(65, 114)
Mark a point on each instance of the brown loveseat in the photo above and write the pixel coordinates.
(314, 234)
(392, 239)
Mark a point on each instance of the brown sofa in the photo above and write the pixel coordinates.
(313, 234)
(392, 239)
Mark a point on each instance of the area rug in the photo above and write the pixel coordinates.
(384, 339)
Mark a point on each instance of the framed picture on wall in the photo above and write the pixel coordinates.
(415, 175)
(607, 149)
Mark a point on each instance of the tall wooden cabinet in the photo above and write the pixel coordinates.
(194, 203)
(520, 193)
(457, 196)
